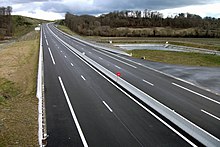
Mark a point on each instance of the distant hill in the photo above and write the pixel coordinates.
(22, 25)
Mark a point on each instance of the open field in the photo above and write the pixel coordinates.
(181, 58)
(18, 103)
(192, 59)
(207, 43)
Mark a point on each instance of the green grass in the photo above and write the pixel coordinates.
(207, 43)
(18, 108)
(8, 90)
(22, 25)
(180, 58)
(65, 29)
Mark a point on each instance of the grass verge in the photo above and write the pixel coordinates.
(66, 30)
(19, 105)
(180, 58)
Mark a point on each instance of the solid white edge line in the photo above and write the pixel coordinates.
(148, 82)
(51, 56)
(47, 42)
(170, 127)
(217, 102)
(107, 106)
(73, 114)
(83, 77)
(210, 114)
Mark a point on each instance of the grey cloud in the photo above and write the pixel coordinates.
(102, 6)
(146, 4)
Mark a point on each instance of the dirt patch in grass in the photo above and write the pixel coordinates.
(181, 58)
(19, 105)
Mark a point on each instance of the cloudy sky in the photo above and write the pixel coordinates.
(56, 9)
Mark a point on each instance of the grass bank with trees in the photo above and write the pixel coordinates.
(18, 75)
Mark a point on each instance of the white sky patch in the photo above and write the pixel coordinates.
(40, 14)
(201, 10)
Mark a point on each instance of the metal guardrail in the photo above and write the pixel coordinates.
(42, 130)
(192, 129)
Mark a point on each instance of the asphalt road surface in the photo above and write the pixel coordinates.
(84, 108)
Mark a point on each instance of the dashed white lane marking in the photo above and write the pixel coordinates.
(148, 82)
(217, 102)
(83, 77)
(210, 114)
(65, 56)
(71, 64)
(47, 42)
(51, 55)
(101, 58)
(117, 67)
(107, 106)
(73, 114)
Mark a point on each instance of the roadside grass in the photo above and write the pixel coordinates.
(18, 103)
(66, 30)
(179, 58)
(206, 43)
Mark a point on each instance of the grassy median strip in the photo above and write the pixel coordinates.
(18, 103)
(180, 58)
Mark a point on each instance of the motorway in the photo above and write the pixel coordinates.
(85, 108)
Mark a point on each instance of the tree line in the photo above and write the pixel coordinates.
(143, 24)
(5, 22)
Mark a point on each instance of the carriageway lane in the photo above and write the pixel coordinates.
(188, 100)
(92, 98)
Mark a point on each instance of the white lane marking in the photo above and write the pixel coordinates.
(117, 67)
(51, 55)
(115, 59)
(47, 42)
(83, 77)
(45, 36)
(90, 52)
(73, 114)
(101, 58)
(107, 106)
(197, 93)
(148, 82)
(71, 64)
(61, 51)
(157, 117)
(210, 114)
(65, 56)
